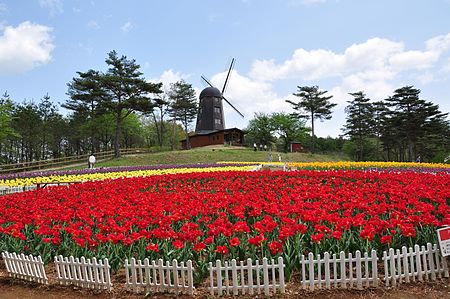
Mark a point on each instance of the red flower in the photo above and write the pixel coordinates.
(317, 237)
(178, 244)
(386, 239)
(275, 247)
(221, 249)
(234, 242)
(256, 241)
(152, 247)
(336, 234)
(199, 246)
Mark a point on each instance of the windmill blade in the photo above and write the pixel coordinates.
(207, 81)
(228, 75)
(233, 106)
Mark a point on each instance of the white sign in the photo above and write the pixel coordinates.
(444, 240)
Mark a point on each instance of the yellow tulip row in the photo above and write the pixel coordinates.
(349, 165)
(114, 175)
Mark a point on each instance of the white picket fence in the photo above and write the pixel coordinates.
(25, 267)
(146, 276)
(233, 278)
(4, 190)
(83, 272)
(342, 271)
(410, 264)
(247, 278)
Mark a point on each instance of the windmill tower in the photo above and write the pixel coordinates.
(210, 115)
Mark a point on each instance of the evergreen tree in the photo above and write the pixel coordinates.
(414, 119)
(313, 104)
(120, 91)
(183, 105)
(6, 121)
(360, 122)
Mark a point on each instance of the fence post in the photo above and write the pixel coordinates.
(302, 262)
(266, 277)
(431, 260)
(375, 268)
(358, 270)
(342, 263)
(219, 277)
(405, 264)
(211, 278)
(234, 277)
(250, 275)
(311, 270)
(190, 277)
(418, 262)
(281, 273)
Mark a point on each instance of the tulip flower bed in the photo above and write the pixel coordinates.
(235, 214)
(392, 166)
(33, 178)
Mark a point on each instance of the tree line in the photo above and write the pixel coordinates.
(118, 108)
(402, 127)
(109, 110)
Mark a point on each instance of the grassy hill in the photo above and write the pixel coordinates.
(212, 154)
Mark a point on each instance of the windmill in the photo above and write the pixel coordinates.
(210, 113)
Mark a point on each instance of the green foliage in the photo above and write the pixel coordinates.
(183, 105)
(359, 124)
(276, 128)
(6, 118)
(313, 104)
(260, 130)
(120, 90)
(413, 126)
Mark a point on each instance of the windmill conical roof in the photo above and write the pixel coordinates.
(210, 92)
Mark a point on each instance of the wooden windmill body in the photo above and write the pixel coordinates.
(210, 126)
(210, 115)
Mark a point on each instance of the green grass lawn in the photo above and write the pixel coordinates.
(213, 154)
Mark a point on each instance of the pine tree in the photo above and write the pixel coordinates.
(121, 90)
(313, 104)
(360, 121)
(183, 105)
(412, 117)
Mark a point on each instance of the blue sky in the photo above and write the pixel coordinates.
(340, 45)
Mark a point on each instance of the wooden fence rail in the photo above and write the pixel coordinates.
(247, 278)
(165, 277)
(26, 267)
(85, 273)
(339, 271)
(42, 164)
(407, 264)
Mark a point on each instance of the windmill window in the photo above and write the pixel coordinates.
(217, 100)
(217, 110)
(217, 121)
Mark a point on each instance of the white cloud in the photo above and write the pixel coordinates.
(375, 56)
(425, 78)
(320, 63)
(168, 77)
(248, 96)
(377, 67)
(126, 27)
(25, 47)
(93, 25)
(55, 6)
(305, 2)
(3, 7)
(446, 67)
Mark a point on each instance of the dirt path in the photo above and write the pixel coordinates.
(17, 289)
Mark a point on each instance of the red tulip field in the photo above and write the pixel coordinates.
(224, 215)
